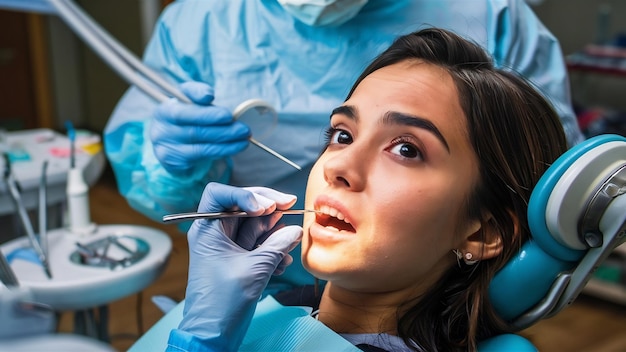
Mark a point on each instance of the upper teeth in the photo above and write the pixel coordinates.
(325, 209)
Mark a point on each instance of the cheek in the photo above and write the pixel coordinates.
(421, 229)
(404, 252)
(415, 237)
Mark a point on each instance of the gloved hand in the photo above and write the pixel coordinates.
(231, 261)
(183, 134)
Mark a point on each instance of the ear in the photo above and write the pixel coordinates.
(484, 243)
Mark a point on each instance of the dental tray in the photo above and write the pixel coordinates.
(114, 251)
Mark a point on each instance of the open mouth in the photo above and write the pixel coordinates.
(336, 221)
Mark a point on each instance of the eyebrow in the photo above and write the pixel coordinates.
(345, 110)
(397, 118)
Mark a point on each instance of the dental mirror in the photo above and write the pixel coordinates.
(261, 117)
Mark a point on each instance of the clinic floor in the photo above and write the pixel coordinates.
(590, 324)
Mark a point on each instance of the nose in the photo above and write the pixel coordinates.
(346, 168)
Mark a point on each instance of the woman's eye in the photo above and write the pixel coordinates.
(338, 136)
(406, 150)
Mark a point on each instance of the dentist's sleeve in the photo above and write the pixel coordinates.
(519, 40)
(182, 341)
(141, 179)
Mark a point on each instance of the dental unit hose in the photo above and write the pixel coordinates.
(15, 193)
(77, 193)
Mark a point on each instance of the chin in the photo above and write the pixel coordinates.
(318, 262)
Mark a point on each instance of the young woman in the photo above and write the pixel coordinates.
(420, 197)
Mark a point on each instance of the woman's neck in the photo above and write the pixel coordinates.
(351, 312)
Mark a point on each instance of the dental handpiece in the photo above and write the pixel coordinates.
(43, 209)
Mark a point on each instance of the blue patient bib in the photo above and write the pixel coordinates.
(274, 327)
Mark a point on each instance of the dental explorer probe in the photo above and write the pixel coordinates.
(172, 218)
(21, 210)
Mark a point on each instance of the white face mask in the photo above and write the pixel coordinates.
(323, 12)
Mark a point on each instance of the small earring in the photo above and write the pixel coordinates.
(468, 259)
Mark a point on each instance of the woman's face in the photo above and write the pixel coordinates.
(392, 184)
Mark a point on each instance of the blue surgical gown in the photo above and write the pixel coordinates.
(254, 49)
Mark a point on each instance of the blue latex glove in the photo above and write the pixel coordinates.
(183, 133)
(231, 261)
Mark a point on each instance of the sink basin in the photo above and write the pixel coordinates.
(55, 342)
(79, 282)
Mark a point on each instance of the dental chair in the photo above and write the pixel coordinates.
(577, 217)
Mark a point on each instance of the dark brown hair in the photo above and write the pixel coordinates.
(516, 135)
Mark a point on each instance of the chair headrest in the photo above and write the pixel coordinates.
(564, 214)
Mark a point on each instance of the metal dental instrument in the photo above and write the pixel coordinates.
(21, 210)
(96, 253)
(126, 64)
(7, 276)
(43, 210)
(173, 218)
